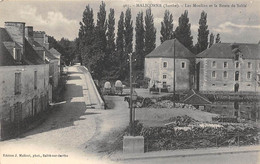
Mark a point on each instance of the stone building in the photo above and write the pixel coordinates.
(39, 42)
(57, 54)
(24, 79)
(159, 66)
(227, 67)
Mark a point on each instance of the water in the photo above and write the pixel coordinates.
(239, 109)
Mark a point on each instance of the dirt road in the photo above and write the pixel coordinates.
(72, 129)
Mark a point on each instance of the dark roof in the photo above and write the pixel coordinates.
(55, 52)
(195, 98)
(49, 55)
(5, 57)
(30, 55)
(224, 50)
(166, 49)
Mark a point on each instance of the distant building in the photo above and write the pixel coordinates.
(57, 54)
(227, 67)
(159, 66)
(39, 42)
(24, 79)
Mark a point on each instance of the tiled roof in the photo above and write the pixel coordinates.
(55, 52)
(49, 55)
(195, 98)
(5, 56)
(166, 49)
(30, 55)
(224, 50)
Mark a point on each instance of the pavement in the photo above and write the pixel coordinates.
(119, 156)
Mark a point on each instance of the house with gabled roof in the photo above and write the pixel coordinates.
(229, 67)
(24, 78)
(170, 58)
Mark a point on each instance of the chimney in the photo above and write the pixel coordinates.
(17, 32)
(29, 34)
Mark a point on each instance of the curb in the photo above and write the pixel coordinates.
(177, 154)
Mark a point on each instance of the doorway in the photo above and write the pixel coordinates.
(236, 87)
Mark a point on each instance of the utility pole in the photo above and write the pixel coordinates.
(131, 97)
(174, 72)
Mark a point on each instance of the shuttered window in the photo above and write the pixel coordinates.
(17, 83)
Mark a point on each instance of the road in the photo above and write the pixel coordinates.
(73, 128)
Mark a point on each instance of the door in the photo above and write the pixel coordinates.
(236, 87)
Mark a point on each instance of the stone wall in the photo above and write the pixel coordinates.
(155, 70)
(16, 108)
(221, 83)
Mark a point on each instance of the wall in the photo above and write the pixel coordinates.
(154, 70)
(14, 108)
(54, 73)
(219, 83)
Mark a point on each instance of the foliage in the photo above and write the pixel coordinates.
(150, 33)
(167, 27)
(183, 32)
(203, 33)
(139, 42)
(218, 39)
(211, 40)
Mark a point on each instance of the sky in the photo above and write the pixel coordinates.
(239, 23)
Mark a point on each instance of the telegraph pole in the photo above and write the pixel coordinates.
(174, 72)
(131, 97)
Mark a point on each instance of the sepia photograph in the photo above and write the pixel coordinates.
(129, 82)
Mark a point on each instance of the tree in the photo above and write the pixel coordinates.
(150, 33)
(99, 44)
(128, 32)
(167, 27)
(203, 33)
(183, 32)
(86, 36)
(111, 33)
(211, 40)
(218, 39)
(120, 45)
(139, 41)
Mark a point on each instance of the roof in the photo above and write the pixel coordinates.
(49, 55)
(55, 52)
(5, 56)
(166, 50)
(195, 98)
(30, 55)
(224, 50)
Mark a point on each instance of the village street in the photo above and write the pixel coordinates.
(73, 128)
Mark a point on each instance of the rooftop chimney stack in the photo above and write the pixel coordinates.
(29, 34)
(17, 32)
(41, 38)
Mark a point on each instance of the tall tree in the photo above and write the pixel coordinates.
(218, 39)
(86, 36)
(167, 27)
(211, 40)
(183, 32)
(99, 44)
(203, 33)
(111, 33)
(120, 45)
(139, 41)
(150, 32)
(128, 32)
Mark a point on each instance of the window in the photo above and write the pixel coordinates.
(213, 74)
(237, 57)
(236, 75)
(225, 64)
(249, 64)
(213, 84)
(164, 64)
(225, 74)
(214, 64)
(248, 75)
(258, 77)
(17, 83)
(225, 85)
(183, 65)
(35, 79)
(258, 65)
(164, 85)
(164, 76)
(237, 64)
